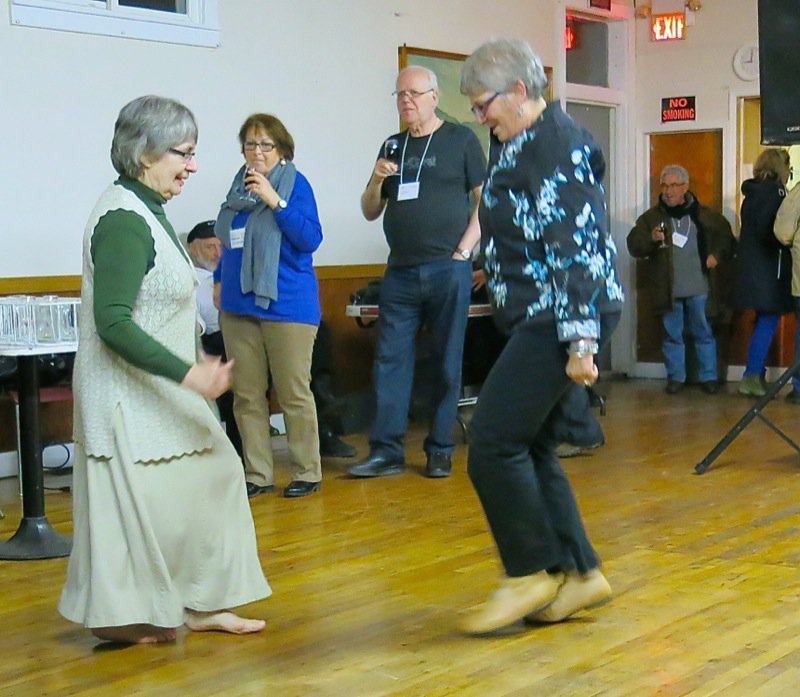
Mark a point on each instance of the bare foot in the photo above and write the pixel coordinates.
(222, 621)
(136, 634)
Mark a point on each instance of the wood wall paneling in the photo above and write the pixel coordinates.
(353, 347)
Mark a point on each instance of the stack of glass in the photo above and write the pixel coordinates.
(28, 321)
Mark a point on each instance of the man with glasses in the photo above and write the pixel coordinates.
(422, 185)
(683, 242)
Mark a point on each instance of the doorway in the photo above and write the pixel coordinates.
(599, 120)
(700, 152)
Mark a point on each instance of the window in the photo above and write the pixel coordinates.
(190, 22)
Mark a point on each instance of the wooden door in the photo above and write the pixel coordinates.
(700, 152)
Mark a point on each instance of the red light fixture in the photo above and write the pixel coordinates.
(569, 37)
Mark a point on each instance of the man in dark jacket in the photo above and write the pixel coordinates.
(683, 243)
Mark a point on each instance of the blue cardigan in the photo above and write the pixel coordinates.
(298, 292)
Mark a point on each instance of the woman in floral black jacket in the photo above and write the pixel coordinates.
(551, 273)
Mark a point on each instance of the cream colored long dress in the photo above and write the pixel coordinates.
(160, 511)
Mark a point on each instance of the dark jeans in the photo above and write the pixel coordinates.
(213, 345)
(435, 295)
(525, 493)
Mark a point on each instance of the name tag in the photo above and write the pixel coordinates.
(408, 191)
(237, 238)
(679, 239)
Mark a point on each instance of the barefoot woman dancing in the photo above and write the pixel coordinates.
(163, 534)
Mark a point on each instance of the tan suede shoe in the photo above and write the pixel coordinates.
(516, 598)
(577, 593)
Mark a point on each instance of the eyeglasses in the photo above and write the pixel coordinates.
(676, 185)
(265, 145)
(186, 156)
(413, 95)
(480, 109)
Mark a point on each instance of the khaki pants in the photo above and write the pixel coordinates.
(262, 348)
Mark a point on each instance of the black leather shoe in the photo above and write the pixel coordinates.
(709, 387)
(439, 465)
(299, 488)
(375, 465)
(673, 387)
(330, 445)
(255, 489)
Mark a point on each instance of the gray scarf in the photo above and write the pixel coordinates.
(262, 236)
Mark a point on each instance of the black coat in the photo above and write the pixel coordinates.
(763, 265)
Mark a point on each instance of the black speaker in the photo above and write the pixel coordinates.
(779, 70)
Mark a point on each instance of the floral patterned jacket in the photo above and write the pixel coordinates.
(547, 252)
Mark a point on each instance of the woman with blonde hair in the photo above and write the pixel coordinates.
(763, 265)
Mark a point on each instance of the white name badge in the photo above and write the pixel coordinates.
(408, 191)
(679, 239)
(237, 238)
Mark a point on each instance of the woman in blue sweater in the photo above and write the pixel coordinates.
(269, 302)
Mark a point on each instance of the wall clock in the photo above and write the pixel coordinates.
(745, 62)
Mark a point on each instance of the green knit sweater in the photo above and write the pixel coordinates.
(123, 253)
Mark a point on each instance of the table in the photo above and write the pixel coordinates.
(372, 311)
(35, 537)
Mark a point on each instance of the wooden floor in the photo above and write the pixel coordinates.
(369, 578)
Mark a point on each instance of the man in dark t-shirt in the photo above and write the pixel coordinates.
(422, 183)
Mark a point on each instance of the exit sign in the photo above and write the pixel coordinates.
(669, 27)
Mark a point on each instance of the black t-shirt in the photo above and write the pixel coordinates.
(429, 227)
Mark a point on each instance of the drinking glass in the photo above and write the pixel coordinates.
(391, 150)
(249, 195)
(663, 227)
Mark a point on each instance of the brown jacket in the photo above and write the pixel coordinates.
(714, 238)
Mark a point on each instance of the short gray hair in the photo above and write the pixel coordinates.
(675, 171)
(433, 81)
(149, 125)
(497, 64)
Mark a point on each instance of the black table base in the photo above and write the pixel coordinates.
(35, 538)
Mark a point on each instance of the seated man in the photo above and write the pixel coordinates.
(204, 250)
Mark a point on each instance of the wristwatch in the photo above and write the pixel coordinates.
(282, 204)
(466, 253)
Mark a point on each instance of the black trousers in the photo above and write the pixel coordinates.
(525, 493)
(213, 345)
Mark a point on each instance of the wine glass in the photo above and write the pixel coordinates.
(663, 227)
(391, 150)
(250, 196)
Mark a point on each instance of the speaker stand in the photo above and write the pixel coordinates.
(754, 412)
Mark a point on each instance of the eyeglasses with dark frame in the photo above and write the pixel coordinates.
(480, 109)
(413, 95)
(265, 145)
(186, 156)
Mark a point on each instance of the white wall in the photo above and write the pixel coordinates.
(325, 68)
(700, 65)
